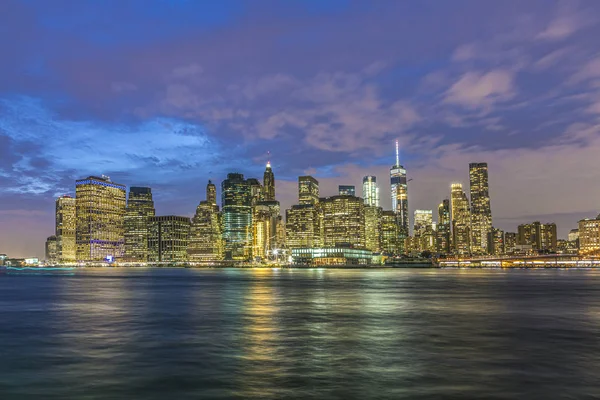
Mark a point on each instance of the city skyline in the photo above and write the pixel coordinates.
(171, 108)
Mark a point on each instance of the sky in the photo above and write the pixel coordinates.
(169, 94)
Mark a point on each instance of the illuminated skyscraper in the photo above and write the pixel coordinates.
(461, 220)
(510, 242)
(443, 227)
(347, 190)
(389, 233)
(481, 213)
(211, 193)
(100, 211)
(66, 226)
(541, 237)
(269, 184)
(343, 221)
(237, 200)
(303, 226)
(256, 190)
(168, 238)
(51, 253)
(370, 191)
(496, 242)
(373, 228)
(308, 190)
(589, 236)
(399, 188)
(205, 242)
(140, 207)
(424, 238)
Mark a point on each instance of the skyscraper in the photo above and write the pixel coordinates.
(237, 199)
(389, 233)
(308, 190)
(481, 213)
(589, 236)
(443, 227)
(140, 207)
(100, 210)
(399, 189)
(268, 184)
(51, 253)
(541, 237)
(461, 220)
(205, 242)
(66, 226)
(347, 190)
(424, 238)
(343, 221)
(373, 228)
(168, 238)
(370, 191)
(256, 190)
(303, 226)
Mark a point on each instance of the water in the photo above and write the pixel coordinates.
(296, 334)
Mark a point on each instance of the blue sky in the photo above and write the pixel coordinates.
(173, 93)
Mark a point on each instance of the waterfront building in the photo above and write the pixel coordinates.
(423, 233)
(140, 207)
(264, 220)
(443, 228)
(373, 228)
(541, 237)
(237, 197)
(496, 242)
(100, 210)
(389, 233)
(280, 235)
(65, 232)
(205, 242)
(303, 226)
(343, 221)
(370, 191)
(589, 236)
(347, 190)
(461, 220)
(481, 213)
(338, 255)
(268, 183)
(510, 242)
(399, 189)
(51, 253)
(308, 190)
(168, 239)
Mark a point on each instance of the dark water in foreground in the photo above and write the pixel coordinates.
(282, 334)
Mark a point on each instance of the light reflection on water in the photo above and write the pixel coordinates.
(176, 333)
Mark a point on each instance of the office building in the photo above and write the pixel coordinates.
(205, 244)
(237, 196)
(140, 207)
(168, 239)
(373, 228)
(389, 233)
(269, 183)
(347, 190)
(399, 189)
(340, 255)
(303, 226)
(343, 221)
(496, 242)
(589, 236)
(423, 233)
(264, 229)
(461, 220)
(308, 190)
(510, 242)
(370, 191)
(65, 232)
(481, 214)
(100, 211)
(51, 253)
(541, 237)
(256, 190)
(443, 240)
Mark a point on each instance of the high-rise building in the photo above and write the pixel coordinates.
(264, 228)
(481, 213)
(589, 236)
(399, 188)
(541, 237)
(269, 184)
(237, 200)
(308, 190)
(211, 193)
(443, 228)
(496, 242)
(370, 191)
(100, 210)
(303, 226)
(140, 207)
(461, 220)
(168, 239)
(573, 235)
(424, 235)
(51, 253)
(510, 242)
(347, 190)
(389, 233)
(256, 190)
(66, 227)
(205, 241)
(343, 221)
(373, 228)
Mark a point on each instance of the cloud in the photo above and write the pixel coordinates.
(480, 90)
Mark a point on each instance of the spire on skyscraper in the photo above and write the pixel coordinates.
(397, 154)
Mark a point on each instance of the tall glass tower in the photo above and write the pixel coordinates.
(481, 213)
(370, 191)
(399, 189)
(140, 207)
(268, 183)
(236, 196)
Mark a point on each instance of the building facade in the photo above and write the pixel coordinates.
(51, 250)
(343, 221)
(168, 239)
(373, 228)
(481, 213)
(237, 200)
(268, 183)
(100, 210)
(461, 220)
(443, 237)
(304, 226)
(370, 191)
(308, 190)
(66, 228)
(541, 237)
(347, 190)
(589, 236)
(205, 244)
(140, 208)
(389, 233)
